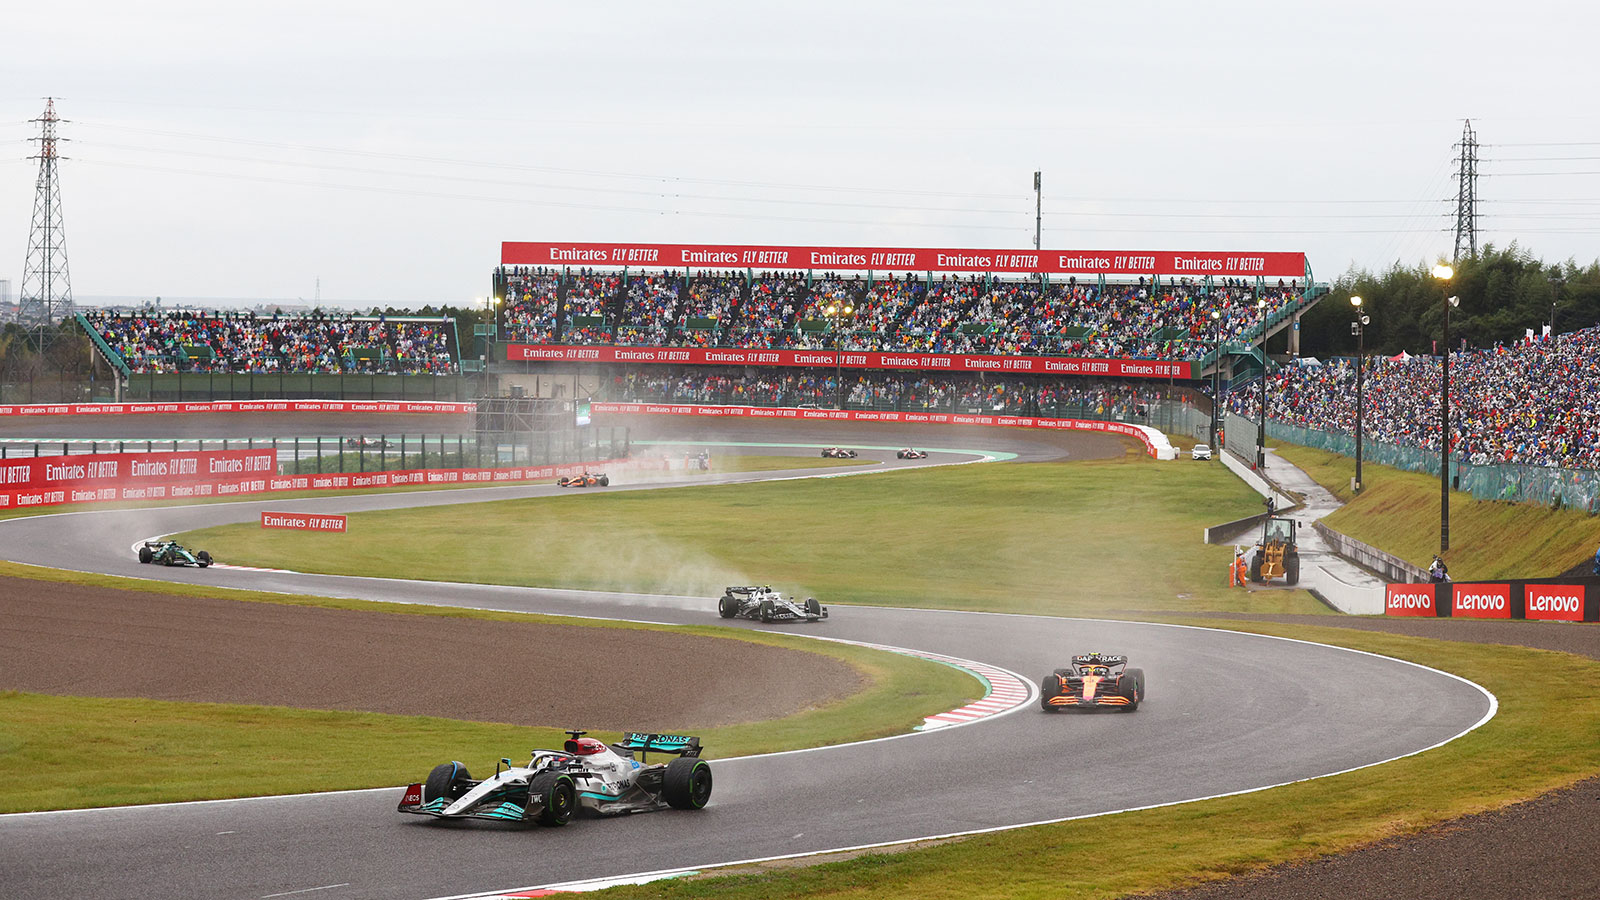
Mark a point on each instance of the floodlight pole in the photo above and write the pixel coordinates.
(1444, 273)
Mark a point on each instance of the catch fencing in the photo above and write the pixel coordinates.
(1550, 486)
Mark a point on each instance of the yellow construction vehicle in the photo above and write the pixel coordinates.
(1277, 555)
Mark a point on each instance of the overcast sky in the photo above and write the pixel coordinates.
(388, 149)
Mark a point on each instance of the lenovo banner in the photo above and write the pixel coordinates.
(1555, 602)
(1410, 600)
(302, 521)
(1480, 601)
(852, 359)
(1165, 263)
(344, 406)
(1140, 432)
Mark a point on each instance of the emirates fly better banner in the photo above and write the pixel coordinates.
(850, 359)
(1165, 263)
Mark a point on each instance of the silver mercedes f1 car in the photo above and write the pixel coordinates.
(584, 775)
(767, 605)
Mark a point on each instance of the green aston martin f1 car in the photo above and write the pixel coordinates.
(171, 553)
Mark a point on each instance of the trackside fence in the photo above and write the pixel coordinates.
(1540, 485)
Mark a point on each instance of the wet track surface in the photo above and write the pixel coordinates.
(1306, 710)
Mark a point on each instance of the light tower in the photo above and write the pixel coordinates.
(46, 295)
(1467, 195)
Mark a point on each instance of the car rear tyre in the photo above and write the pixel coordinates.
(145, 555)
(1049, 687)
(1129, 688)
(1138, 679)
(447, 780)
(765, 610)
(686, 784)
(605, 480)
(727, 607)
(552, 799)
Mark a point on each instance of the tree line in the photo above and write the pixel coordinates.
(1502, 292)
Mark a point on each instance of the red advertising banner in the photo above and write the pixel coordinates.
(1175, 263)
(99, 478)
(859, 415)
(1555, 602)
(343, 406)
(1409, 600)
(302, 521)
(1481, 601)
(852, 359)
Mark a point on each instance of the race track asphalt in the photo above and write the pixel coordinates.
(1285, 711)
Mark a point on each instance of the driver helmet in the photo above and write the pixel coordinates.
(585, 746)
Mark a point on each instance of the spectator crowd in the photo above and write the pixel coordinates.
(797, 310)
(196, 341)
(1528, 403)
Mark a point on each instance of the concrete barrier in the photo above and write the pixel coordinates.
(1393, 569)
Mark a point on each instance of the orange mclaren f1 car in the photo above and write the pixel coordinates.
(587, 479)
(1093, 681)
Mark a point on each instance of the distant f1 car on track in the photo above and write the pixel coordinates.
(584, 774)
(767, 605)
(1093, 681)
(357, 443)
(838, 453)
(587, 479)
(908, 453)
(170, 553)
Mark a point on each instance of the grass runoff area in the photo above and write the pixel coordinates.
(1489, 539)
(1072, 538)
(148, 751)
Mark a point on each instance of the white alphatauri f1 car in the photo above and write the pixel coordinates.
(584, 775)
(767, 605)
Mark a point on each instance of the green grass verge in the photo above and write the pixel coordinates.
(96, 752)
(1399, 511)
(1546, 736)
(1055, 538)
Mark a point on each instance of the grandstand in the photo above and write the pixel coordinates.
(154, 350)
(1124, 306)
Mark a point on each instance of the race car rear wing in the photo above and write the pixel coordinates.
(676, 744)
(1099, 659)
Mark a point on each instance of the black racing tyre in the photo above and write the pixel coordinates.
(813, 608)
(1138, 679)
(824, 454)
(765, 610)
(204, 558)
(145, 555)
(1255, 567)
(605, 480)
(1049, 687)
(447, 780)
(1291, 568)
(552, 799)
(1129, 688)
(686, 784)
(727, 607)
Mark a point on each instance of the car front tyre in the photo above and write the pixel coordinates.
(552, 799)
